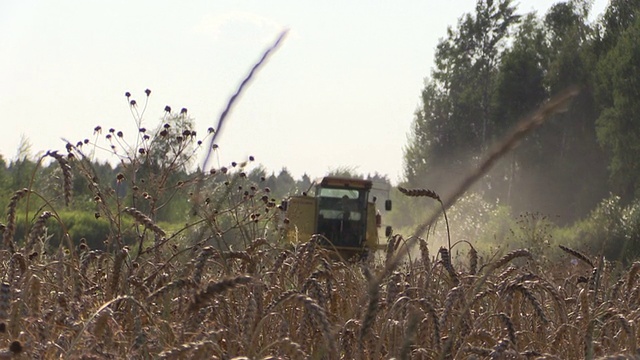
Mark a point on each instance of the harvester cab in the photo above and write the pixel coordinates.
(342, 211)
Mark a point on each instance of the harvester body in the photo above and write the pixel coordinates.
(341, 211)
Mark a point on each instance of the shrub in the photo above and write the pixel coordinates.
(612, 229)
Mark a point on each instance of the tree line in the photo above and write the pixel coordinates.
(49, 181)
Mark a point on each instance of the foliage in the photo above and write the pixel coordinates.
(612, 229)
(488, 75)
(472, 220)
(533, 231)
(453, 125)
(619, 90)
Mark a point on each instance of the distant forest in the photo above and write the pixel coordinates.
(50, 181)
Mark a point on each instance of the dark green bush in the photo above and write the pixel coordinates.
(612, 229)
(80, 225)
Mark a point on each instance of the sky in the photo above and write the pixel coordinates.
(340, 92)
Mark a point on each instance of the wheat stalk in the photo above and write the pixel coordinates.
(578, 255)
(203, 297)
(10, 227)
(144, 220)
(66, 174)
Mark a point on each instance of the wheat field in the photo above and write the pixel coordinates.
(270, 302)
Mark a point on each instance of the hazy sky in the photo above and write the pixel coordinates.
(340, 92)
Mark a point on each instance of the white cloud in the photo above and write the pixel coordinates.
(238, 23)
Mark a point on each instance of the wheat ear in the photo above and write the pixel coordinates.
(203, 297)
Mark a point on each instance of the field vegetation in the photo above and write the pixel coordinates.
(151, 256)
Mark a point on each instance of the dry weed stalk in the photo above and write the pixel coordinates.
(420, 193)
(5, 302)
(14, 350)
(424, 254)
(182, 351)
(414, 318)
(173, 285)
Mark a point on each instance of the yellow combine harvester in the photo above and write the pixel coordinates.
(342, 211)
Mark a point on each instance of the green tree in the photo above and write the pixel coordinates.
(3, 173)
(618, 17)
(98, 172)
(426, 137)
(286, 185)
(4, 181)
(479, 89)
(258, 174)
(519, 90)
(452, 125)
(345, 171)
(304, 183)
(556, 54)
(21, 168)
(618, 126)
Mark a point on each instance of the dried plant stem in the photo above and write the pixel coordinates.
(203, 297)
(145, 220)
(370, 313)
(118, 262)
(37, 230)
(66, 174)
(577, 255)
(410, 334)
(510, 256)
(75, 340)
(231, 102)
